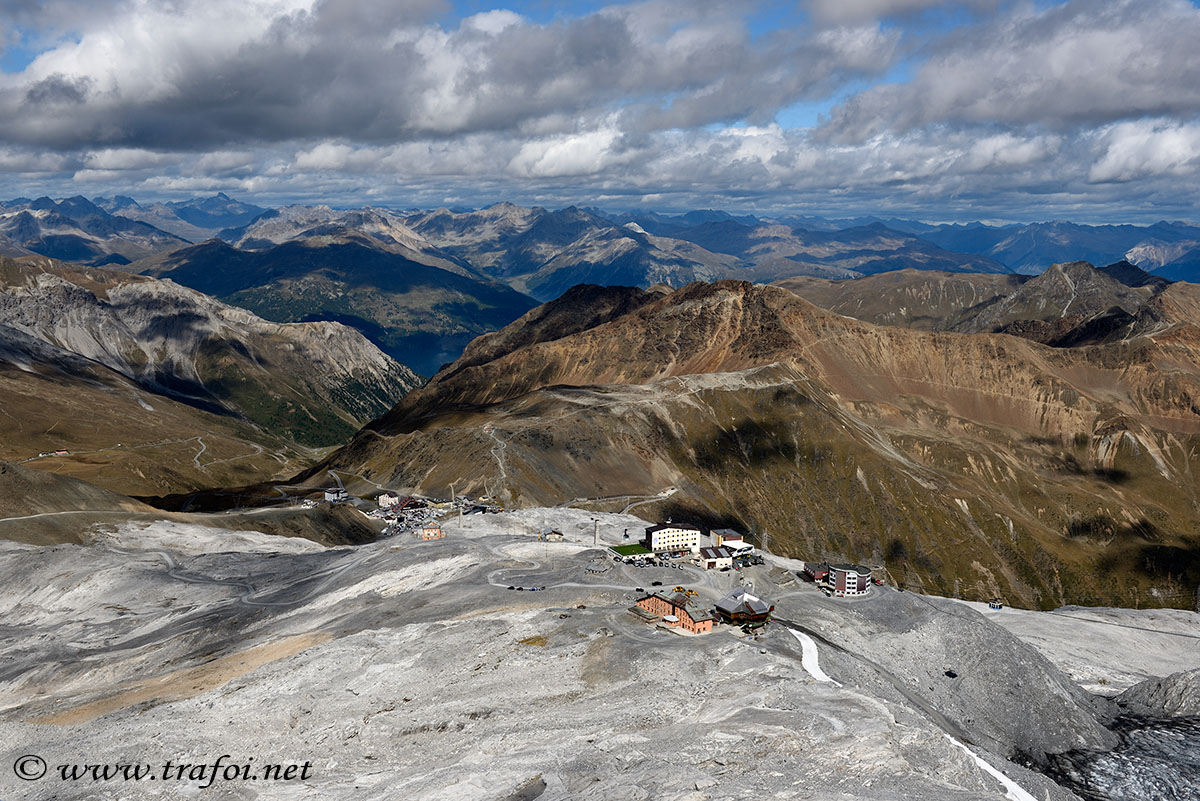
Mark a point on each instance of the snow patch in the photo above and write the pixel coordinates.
(1012, 790)
(809, 660)
(862, 478)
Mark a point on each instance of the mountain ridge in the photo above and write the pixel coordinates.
(157, 344)
(932, 452)
(420, 314)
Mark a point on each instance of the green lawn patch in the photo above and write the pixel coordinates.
(630, 550)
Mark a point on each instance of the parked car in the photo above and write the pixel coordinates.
(656, 584)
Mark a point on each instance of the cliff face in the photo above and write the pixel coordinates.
(984, 463)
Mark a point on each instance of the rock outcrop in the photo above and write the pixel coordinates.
(1177, 695)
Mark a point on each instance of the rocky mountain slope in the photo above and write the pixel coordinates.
(379, 228)
(26, 492)
(1067, 305)
(1065, 294)
(983, 464)
(75, 229)
(626, 256)
(1184, 267)
(76, 417)
(505, 240)
(925, 299)
(46, 509)
(418, 313)
(1177, 695)
(158, 351)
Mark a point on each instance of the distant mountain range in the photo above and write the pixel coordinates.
(546, 252)
(75, 229)
(506, 240)
(1032, 248)
(1065, 306)
(422, 284)
(420, 314)
(195, 220)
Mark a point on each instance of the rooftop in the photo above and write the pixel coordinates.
(662, 526)
(742, 601)
(848, 568)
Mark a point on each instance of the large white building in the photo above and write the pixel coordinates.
(738, 547)
(670, 538)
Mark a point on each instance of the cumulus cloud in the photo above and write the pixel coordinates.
(192, 74)
(576, 154)
(1000, 106)
(843, 12)
(1084, 62)
(1144, 148)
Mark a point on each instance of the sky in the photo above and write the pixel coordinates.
(1087, 110)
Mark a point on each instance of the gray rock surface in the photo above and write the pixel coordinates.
(407, 669)
(1177, 695)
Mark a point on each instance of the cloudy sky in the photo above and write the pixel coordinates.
(982, 109)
